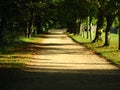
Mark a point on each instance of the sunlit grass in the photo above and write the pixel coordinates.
(12, 60)
(31, 39)
(17, 54)
(110, 52)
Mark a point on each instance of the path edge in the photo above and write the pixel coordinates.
(93, 51)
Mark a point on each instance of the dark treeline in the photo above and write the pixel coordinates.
(23, 17)
(27, 17)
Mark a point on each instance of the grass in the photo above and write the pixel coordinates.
(30, 40)
(17, 54)
(110, 52)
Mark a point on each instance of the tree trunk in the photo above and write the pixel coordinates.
(29, 29)
(69, 28)
(72, 27)
(83, 33)
(38, 23)
(79, 22)
(3, 20)
(119, 33)
(78, 28)
(26, 29)
(90, 26)
(2, 26)
(99, 29)
(81, 28)
(100, 21)
(110, 19)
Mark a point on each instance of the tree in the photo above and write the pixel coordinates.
(118, 15)
(14, 19)
(74, 11)
(119, 34)
(92, 11)
(9, 17)
(110, 14)
(100, 22)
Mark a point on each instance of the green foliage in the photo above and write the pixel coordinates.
(18, 17)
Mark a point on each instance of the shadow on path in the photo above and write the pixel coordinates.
(20, 79)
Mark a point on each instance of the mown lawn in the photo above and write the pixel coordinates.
(17, 54)
(110, 52)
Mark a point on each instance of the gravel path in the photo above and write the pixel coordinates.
(61, 64)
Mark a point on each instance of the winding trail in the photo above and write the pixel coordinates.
(61, 64)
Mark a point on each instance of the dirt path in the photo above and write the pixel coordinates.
(59, 52)
(61, 64)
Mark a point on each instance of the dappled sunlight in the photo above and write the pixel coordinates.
(58, 63)
(78, 64)
(13, 60)
(59, 53)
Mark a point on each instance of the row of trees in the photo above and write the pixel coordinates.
(20, 17)
(108, 10)
(78, 11)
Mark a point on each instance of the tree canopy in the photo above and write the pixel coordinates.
(24, 17)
